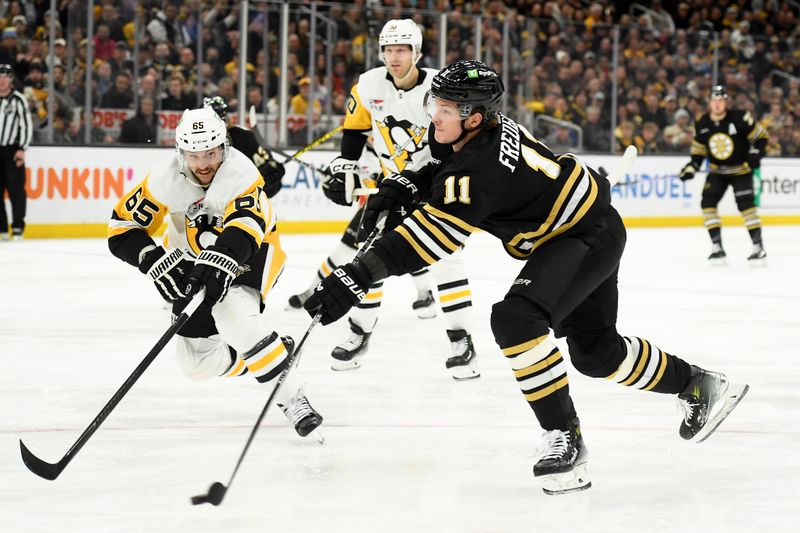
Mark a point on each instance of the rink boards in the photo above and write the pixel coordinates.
(71, 191)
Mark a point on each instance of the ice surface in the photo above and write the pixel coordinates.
(408, 448)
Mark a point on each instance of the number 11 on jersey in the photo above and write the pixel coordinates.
(450, 190)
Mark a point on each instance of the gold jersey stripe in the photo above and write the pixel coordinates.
(512, 351)
(541, 365)
(450, 218)
(359, 118)
(577, 218)
(374, 295)
(440, 236)
(550, 389)
(414, 244)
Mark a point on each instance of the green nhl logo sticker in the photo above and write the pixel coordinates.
(472, 73)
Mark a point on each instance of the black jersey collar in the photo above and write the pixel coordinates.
(420, 79)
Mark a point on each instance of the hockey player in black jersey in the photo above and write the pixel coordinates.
(553, 213)
(245, 141)
(734, 143)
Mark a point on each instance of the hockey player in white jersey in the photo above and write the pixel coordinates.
(387, 104)
(221, 236)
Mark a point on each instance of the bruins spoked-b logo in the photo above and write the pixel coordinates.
(721, 146)
(202, 231)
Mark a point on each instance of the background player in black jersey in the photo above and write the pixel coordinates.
(245, 141)
(734, 143)
(553, 213)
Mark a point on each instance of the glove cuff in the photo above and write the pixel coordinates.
(165, 263)
(219, 261)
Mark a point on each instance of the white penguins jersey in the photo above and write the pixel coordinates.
(396, 118)
(197, 216)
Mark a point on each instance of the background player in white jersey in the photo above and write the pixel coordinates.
(221, 236)
(387, 103)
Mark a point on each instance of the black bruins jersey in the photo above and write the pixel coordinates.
(245, 141)
(727, 143)
(505, 182)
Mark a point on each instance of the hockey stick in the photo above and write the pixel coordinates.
(51, 471)
(216, 492)
(624, 165)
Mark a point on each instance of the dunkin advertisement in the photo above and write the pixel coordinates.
(80, 185)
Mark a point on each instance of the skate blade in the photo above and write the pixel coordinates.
(344, 366)
(723, 262)
(318, 436)
(729, 399)
(424, 313)
(465, 372)
(757, 263)
(575, 480)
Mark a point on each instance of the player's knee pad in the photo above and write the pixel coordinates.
(745, 199)
(202, 358)
(516, 320)
(712, 194)
(238, 318)
(597, 354)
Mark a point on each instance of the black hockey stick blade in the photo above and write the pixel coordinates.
(216, 492)
(41, 468)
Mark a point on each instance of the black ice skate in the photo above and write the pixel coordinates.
(296, 301)
(717, 257)
(463, 363)
(759, 255)
(346, 356)
(425, 306)
(563, 465)
(706, 401)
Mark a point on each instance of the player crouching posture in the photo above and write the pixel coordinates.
(553, 213)
(221, 236)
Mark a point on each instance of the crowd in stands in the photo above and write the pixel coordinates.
(558, 59)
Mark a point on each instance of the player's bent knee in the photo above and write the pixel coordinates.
(204, 358)
(597, 354)
(239, 319)
(516, 319)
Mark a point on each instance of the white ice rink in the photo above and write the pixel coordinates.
(408, 449)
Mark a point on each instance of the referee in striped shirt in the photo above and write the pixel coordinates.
(16, 131)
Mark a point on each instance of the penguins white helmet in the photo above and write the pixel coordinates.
(200, 130)
(401, 31)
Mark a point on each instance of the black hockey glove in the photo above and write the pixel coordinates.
(397, 195)
(214, 269)
(340, 181)
(687, 172)
(339, 292)
(754, 159)
(169, 271)
(272, 171)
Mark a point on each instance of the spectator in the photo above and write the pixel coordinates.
(625, 135)
(119, 60)
(142, 128)
(121, 95)
(678, 135)
(595, 133)
(651, 141)
(559, 140)
(103, 43)
(176, 98)
(167, 29)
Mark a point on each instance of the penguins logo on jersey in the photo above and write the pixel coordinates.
(402, 138)
(721, 146)
(202, 231)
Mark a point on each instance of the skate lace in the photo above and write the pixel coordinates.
(688, 407)
(555, 444)
(353, 342)
(299, 409)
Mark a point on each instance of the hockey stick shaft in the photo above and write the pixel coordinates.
(51, 471)
(217, 490)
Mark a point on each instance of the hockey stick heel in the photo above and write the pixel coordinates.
(215, 495)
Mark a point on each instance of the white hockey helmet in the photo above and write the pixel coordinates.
(200, 130)
(401, 31)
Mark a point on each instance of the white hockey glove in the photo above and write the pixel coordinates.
(169, 271)
(338, 185)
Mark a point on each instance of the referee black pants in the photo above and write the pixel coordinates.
(12, 179)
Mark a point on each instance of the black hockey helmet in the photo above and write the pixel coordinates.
(718, 91)
(217, 103)
(473, 85)
(6, 69)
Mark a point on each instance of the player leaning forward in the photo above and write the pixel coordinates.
(387, 103)
(553, 213)
(221, 236)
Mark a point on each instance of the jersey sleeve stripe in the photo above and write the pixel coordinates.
(758, 132)
(455, 233)
(468, 228)
(425, 256)
(436, 232)
(557, 205)
(431, 243)
(357, 117)
(248, 226)
(577, 196)
(698, 148)
(578, 216)
(249, 215)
